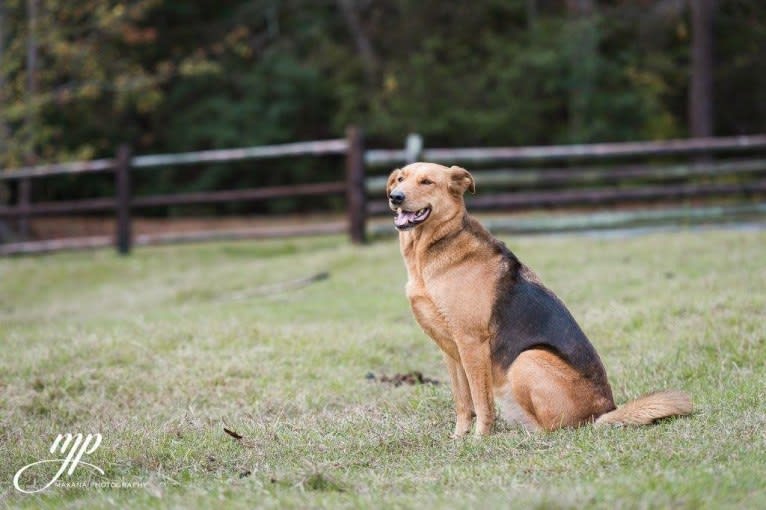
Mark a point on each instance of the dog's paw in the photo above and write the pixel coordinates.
(461, 432)
(483, 429)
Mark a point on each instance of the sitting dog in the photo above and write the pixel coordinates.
(504, 335)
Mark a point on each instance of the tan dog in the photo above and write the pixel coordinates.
(505, 336)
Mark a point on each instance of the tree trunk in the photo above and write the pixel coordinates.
(4, 132)
(583, 43)
(701, 80)
(363, 46)
(531, 6)
(31, 118)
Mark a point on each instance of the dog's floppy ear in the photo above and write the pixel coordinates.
(461, 180)
(391, 184)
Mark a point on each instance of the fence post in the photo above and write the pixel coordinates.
(356, 194)
(413, 148)
(122, 191)
(25, 192)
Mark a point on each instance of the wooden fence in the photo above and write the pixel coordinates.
(581, 176)
(123, 203)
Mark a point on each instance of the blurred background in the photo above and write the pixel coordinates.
(80, 77)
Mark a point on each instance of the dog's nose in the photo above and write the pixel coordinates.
(396, 197)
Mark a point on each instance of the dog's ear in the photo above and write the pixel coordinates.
(461, 180)
(391, 184)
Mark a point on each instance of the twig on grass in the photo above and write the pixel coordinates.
(275, 288)
(239, 438)
(233, 434)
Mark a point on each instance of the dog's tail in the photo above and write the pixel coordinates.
(649, 408)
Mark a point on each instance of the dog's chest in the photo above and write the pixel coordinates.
(451, 291)
(444, 316)
(431, 317)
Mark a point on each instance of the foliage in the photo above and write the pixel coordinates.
(171, 75)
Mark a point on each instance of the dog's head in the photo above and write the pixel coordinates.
(426, 192)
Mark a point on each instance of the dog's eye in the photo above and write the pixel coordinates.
(400, 179)
(426, 181)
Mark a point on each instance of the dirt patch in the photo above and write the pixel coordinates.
(410, 378)
(87, 226)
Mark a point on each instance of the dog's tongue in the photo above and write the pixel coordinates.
(403, 218)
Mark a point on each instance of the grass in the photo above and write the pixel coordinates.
(159, 351)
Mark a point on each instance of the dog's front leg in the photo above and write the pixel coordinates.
(461, 393)
(475, 359)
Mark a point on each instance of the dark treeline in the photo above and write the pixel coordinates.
(79, 77)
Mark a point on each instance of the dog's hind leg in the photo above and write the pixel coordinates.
(461, 393)
(553, 393)
(510, 409)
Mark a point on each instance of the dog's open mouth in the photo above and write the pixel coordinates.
(405, 220)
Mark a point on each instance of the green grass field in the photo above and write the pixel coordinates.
(158, 352)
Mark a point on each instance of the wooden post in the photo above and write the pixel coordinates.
(413, 148)
(356, 194)
(122, 189)
(25, 192)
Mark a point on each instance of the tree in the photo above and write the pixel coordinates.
(701, 77)
(4, 132)
(174, 75)
(31, 92)
(362, 42)
(583, 35)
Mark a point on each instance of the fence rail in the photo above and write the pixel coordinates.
(598, 150)
(76, 167)
(382, 157)
(583, 175)
(597, 197)
(677, 173)
(320, 148)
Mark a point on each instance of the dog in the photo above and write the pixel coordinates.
(505, 337)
